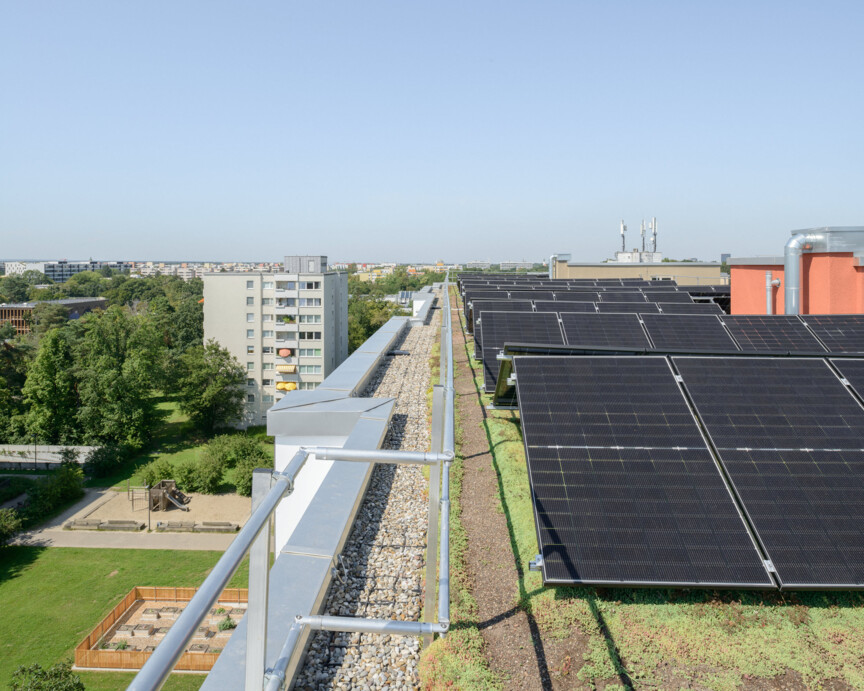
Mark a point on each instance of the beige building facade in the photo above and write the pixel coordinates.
(288, 330)
(685, 273)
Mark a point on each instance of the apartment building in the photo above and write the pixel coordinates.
(288, 329)
(61, 271)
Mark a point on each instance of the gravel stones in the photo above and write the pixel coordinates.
(385, 555)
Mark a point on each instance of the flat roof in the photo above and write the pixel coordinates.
(658, 264)
(755, 261)
(65, 301)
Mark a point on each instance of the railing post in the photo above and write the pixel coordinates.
(259, 587)
(437, 440)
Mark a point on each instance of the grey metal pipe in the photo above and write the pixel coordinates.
(275, 677)
(792, 268)
(323, 453)
(380, 626)
(157, 668)
(769, 295)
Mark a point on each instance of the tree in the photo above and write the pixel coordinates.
(51, 391)
(10, 524)
(118, 358)
(47, 316)
(58, 677)
(15, 288)
(86, 284)
(35, 278)
(7, 331)
(365, 316)
(210, 385)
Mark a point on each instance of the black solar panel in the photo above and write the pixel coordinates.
(480, 306)
(689, 307)
(853, 371)
(499, 328)
(622, 330)
(790, 436)
(624, 307)
(625, 490)
(777, 332)
(841, 333)
(688, 331)
(671, 296)
(555, 306)
(531, 295)
(575, 296)
(622, 296)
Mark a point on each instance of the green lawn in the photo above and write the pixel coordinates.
(50, 598)
(176, 440)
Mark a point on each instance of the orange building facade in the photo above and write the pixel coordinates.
(831, 283)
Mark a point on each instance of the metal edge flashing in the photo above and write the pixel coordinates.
(304, 568)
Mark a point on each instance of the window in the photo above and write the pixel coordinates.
(267, 350)
(268, 285)
(310, 369)
(268, 398)
(250, 397)
(310, 285)
(310, 335)
(250, 284)
(267, 334)
(266, 382)
(267, 301)
(250, 300)
(250, 333)
(286, 302)
(267, 317)
(307, 385)
(310, 352)
(250, 382)
(250, 316)
(309, 302)
(286, 285)
(267, 365)
(310, 318)
(250, 365)
(250, 350)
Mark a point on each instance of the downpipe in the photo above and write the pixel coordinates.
(769, 293)
(797, 244)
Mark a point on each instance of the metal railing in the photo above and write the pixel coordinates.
(255, 536)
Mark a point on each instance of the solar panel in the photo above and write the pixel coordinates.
(480, 306)
(670, 296)
(518, 327)
(853, 371)
(622, 296)
(623, 307)
(689, 307)
(576, 296)
(532, 295)
(841, 333)
(555, 306)
(777, 332)
(790, 437)
(623, 330)
(688, 332)
(625, 490)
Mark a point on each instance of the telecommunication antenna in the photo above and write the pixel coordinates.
(623, 230)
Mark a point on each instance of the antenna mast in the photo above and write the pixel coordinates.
(654, 234)
(643, 234)
(623, 230)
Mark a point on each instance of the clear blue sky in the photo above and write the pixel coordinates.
(424, 130)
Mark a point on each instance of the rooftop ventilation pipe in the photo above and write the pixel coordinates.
(801, 242)
(769, 284)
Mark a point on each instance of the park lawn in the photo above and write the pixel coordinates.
(176, 440)
(111, 681)
(50, 598)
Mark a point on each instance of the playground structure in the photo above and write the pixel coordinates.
(160, 496)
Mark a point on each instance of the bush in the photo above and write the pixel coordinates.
(10, 524)
(48, 494)
(231, 448)
(156, 471)
(58, 677)
(245, 468)
(186, 476)
(227, 623)
(208, 473)
(104, 460)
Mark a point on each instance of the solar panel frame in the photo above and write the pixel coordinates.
(555, 306)
(690, 308)
(627, 307)
(771, 333)
(678, 526)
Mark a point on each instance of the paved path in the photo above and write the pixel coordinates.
(51, 533)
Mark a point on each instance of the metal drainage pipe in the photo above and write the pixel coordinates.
(792, 267)
(769, 293)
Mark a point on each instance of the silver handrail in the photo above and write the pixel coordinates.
(155, 671)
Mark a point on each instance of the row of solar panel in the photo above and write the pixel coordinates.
(692, 332)
(480, 306)
(628, 490)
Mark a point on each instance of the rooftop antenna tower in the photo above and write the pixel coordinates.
(654, 234)
(623, 230)
(643, 234)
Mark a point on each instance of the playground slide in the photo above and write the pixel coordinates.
(175, 502)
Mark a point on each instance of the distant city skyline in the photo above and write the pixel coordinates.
(486, 130)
